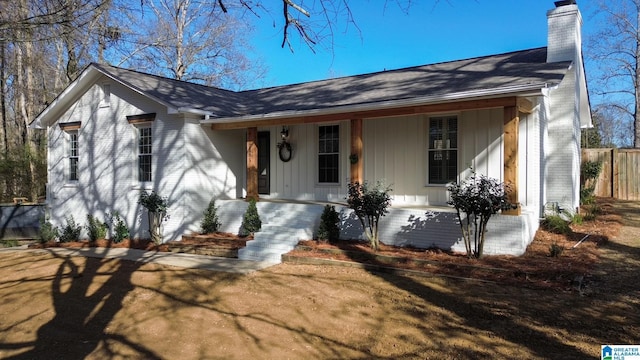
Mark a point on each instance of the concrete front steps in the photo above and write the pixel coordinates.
(283, 225)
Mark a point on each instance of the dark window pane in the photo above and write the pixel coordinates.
(452, 133)
(328, 153)
(145, 167)
(73, 156)
(144, 154)
(328, 168)
(443, 142)
(73, 169)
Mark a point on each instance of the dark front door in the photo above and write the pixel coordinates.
(263, 162)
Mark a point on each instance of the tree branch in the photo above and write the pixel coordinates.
(297, 7)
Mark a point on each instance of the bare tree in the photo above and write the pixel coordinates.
(41, 14)
(43, 44)
(313, 22)
(189, 40)
(615, 49)
(613, 126)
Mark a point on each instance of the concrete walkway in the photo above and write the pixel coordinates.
(164, 258)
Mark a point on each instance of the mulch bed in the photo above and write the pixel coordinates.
(140, 244)
(220, 239)
(536, 268)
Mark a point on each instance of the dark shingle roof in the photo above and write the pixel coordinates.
(179, 94)
(521, 68)
(512, 69)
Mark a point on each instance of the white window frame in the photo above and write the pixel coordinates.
(73, 154)
(322, 151)
(144, 151)
(443, 145)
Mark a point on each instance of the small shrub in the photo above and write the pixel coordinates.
(478, 197)
(47, 231)
(251, 222)
(9, 243)
(210, 222)
(556, 224)
(577, 219)
(586, 195)
(589, 172)
(157, 207)
(119, 229)
(592, 211)
(154, 203)
(369, 204)
(328, 229)
(555, 250)
(95, 228)
(71, 231)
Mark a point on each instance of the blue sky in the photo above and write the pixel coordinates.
(432, 31)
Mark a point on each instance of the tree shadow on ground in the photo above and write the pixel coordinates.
(630, 212)
(477, 315)
(85, 300)
(527, 327)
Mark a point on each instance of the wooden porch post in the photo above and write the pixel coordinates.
(356, 151)
(252, 163)
(511, 125)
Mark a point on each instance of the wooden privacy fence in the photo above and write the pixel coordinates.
(620, 176)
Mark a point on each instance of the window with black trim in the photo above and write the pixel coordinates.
(328, 154)
(443, 149)
(73, 155)
(144, 153)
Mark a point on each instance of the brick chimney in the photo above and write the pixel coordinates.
(564, 39)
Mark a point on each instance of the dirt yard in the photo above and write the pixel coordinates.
(72, 308)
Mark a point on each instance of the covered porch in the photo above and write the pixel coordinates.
(419, 215)
(367, 142)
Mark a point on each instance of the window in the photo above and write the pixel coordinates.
(144, 154)
(73, 155)
(443, 149)
(142, 123)
(328, 153)
(106, 95)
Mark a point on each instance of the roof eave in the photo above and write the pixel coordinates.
(185, 110)
(527, 89)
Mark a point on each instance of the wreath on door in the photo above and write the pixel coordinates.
(285, 152)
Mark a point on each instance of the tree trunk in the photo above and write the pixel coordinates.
(155, 226)
(3, 95)
(636, 110)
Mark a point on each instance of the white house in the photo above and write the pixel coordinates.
(515, 117)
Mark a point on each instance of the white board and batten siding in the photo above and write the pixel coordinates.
(297, 179)
(395, 150)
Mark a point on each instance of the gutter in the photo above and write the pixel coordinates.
(184, 110)
(504, 91)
